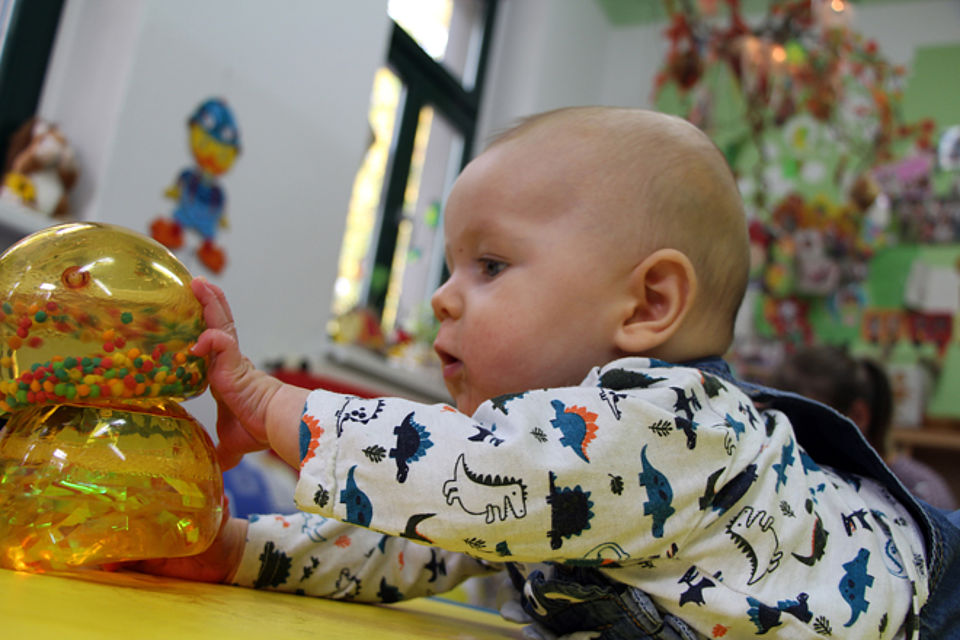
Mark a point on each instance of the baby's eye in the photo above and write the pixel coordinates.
(490, 267)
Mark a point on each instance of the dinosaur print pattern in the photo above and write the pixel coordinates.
(854, 585)
(662, 478)
(493, 497)
(659, 495)
(358, 410)
(413, 440)
(754, 534)
(359, 508)
(766, 617)
(730, 493)
(569, 512)
(577, 425)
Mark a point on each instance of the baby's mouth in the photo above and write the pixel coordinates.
(451, 364)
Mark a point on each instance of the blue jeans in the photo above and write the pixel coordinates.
(583, 599)
(940, 617)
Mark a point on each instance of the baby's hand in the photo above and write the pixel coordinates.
(242, 392)
(217, 564)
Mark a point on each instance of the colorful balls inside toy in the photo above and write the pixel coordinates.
(96, 314)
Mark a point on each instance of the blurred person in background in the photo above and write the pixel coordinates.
(860, 389)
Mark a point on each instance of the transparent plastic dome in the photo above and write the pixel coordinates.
(98, 461)
(85, 485)
(96, 314)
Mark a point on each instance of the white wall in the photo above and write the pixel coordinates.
(548, 54)
(125, 76)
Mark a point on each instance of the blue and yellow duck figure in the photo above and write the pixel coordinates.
(215, 145)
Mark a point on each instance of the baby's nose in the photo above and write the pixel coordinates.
(446, 301)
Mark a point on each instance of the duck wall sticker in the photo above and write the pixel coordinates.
(200, 200)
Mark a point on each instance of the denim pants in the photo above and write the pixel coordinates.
(572, 599)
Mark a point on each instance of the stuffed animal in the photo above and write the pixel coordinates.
(41, 168)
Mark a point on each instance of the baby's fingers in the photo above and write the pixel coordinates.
(216, 342)
(216, 310)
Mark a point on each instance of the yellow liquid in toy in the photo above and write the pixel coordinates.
(96, 314)
(81, 486)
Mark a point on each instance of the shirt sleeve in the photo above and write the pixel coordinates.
(584, 475)
(311, 555)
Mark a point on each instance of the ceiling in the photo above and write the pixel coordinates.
(633, 12)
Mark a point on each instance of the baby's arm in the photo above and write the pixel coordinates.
(305, 553)
(254, 410)
(544, 475)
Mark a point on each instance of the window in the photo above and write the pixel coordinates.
(27, 30)
(423, 116)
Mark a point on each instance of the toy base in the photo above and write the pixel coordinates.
(82, 486)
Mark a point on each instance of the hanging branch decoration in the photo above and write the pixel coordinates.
(809, 115)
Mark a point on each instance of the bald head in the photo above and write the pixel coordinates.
(656, 182)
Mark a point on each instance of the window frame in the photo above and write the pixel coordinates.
(24, 56)
(427, 83)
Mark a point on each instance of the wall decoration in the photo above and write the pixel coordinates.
(835, 177)
(200, 200)
(40, 170)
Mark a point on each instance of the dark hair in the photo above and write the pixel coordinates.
(832, 376)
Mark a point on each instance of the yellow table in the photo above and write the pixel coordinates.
(134, 606)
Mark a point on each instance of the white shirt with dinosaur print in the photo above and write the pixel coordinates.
(665, 478)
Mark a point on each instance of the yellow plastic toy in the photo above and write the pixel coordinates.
(98, 461)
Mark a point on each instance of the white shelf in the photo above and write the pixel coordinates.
(425, 382)
(16, 218)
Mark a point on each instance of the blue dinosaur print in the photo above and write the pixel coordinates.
(712, 385)
(738, 427)
(619, 379)
(305, 437)
(766, 617)
(483, 433)
(500, 402)
(893, 559)
(854, 585)
(577, 432)
(694, 592)
(659, 494)
(413, 440)
(689, 428)
(359, 508)
(730, 493)
(751, 415)
(686, 403)
(786, 460)
(807, 462)
(311, 527)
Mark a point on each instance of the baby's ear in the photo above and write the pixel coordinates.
(663, 287)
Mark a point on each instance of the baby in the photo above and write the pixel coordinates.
(600, 449)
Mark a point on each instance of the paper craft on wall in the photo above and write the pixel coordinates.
(200, 199)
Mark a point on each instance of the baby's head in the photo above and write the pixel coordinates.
(583, 235)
